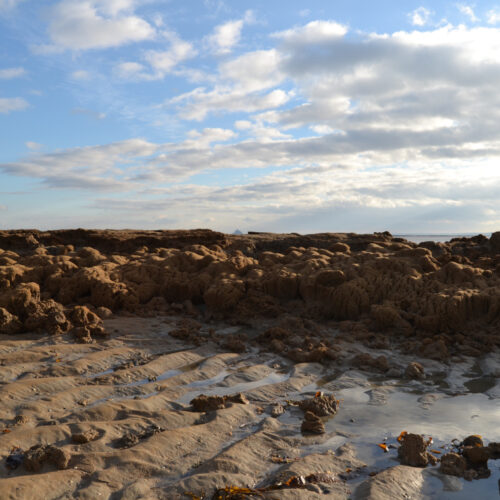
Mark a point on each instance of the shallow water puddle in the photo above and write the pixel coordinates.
(272, 378)
(444, 418)
(100, 374)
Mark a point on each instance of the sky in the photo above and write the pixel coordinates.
(346, 115)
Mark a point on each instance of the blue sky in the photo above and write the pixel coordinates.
(342, 116)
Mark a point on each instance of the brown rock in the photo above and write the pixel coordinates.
(432, 459)
(9, 324)
(476, 456)
(128, 440)
(340, 247)
(208, 403)
(473, 440)
(494, 450)
(277, 410)
(85, 437)
(413, 450)
(21, 420)
(414, 371)
(495, 241)
(453, 464)
(104, 312)
(312, 424)
(237, 398)
(83, 316)
(82, 334)
(235, 343)
(365, 361)
(37, 455)
(436, 350)
(321, 405)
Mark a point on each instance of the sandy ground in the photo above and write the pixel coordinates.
(62, 388)
(134, 391)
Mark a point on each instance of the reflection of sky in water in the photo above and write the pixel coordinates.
(419, 238)
(448, 417)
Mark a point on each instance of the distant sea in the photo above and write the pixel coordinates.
(418, 238)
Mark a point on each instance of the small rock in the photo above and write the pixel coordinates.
(21, 420)
(128, 440)
(321, 405)
(39, 454)
(213, 403)
(453, 464)
(277, 410)
(312, 424)
(85, 437)
(15, 459)
(208, 403)
(494, 450)
(473, 440)
(477, 456)
(104, 312)
(414, 371)
(238, 398)
(413, 450)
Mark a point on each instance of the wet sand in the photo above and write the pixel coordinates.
(61, 388)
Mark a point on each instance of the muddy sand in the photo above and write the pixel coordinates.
(195, 364)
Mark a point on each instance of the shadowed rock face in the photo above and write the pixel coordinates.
(435, 298)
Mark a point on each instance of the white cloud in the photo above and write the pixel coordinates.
(164, 61)
(196, 105)
(161, 62)
(242, 84)
(33, 146)
(102, 168)
(468, 11)
(253, 71)
(87, 112)
(494, 16)
(227, 35)
(12, 104)
(8, 73)
(128, 70)
(92, 24)
(402, 197)
(207, 137)
(402, 126)
(81, 75)
(313, 32)
(420, 16)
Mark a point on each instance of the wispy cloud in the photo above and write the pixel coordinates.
(468, 11)
(420, 16)
(9, 73)
(12, 104)
(494, 16)
(158, 63)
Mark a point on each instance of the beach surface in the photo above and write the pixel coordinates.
(195, 364)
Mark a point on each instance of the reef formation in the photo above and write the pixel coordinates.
(434, 299)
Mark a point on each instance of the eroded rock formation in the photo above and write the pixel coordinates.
(435, 297)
